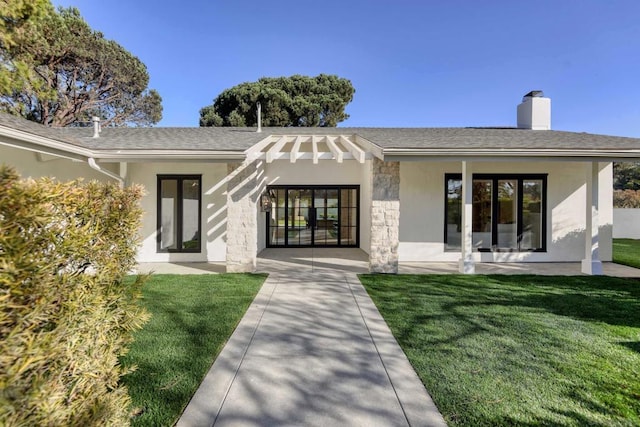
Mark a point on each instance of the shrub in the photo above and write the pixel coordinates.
(626, 199)
(65, 313)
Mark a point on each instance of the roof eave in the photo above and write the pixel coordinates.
(40, 144)
(168, 155)
(396, 154)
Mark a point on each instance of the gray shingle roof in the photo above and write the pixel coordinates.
(240, 139)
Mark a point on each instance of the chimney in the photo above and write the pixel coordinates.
(96, 127)
(535, 111)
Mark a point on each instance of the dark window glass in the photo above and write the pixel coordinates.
(482, 213)
(509, 212)
(313, 216)
(179, 213)
(532, 218)
(453, 208)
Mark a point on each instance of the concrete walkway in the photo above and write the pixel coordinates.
(312, 350)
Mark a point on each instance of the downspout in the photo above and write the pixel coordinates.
(94, 166)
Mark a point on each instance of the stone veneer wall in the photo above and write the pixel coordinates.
(242, 217)
(385, 216)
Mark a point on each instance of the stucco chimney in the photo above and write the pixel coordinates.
(535, 111)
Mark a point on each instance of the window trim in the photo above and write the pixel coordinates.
(494, 178)
(179, 221)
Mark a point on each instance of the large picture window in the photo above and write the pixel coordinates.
(179, 213)
(509, 212)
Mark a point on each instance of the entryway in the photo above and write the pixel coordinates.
(311, 260)
(313, 216)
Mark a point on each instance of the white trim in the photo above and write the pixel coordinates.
(591, 263)
(275, 148)
(93, 165)
(294, 150)
(314, 145)
(507, 152)
(334, 148)
(356, 151)
(466, 264)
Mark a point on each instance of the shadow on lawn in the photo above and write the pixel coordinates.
(601, 299)
(497, 326)
(632, 345)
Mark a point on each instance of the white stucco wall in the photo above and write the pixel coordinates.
(365, 207)
(422, 210)
(32, 165)
(421, 202)
(214, 205)
(626, 223)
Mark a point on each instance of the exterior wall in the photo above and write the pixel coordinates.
(422, 201)
(421, 191)
(214, 209)
(626, 223)
(33, 165)
(365, 207)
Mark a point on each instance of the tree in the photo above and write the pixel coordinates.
(18, 18)
(73, 73)
(286, 101)
(626, 176)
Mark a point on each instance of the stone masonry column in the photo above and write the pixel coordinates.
(385, 216)
(242, 217)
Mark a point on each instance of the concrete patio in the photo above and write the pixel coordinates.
(356, 261)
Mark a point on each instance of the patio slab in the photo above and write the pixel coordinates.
(284, 260)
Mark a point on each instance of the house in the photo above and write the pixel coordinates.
(522, 194)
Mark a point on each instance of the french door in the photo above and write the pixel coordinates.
(313, 216)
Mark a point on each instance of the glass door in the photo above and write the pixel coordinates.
(299, 206)
(313, 216)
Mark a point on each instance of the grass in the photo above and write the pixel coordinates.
(519, 350)
(627, 252)
(192, 318)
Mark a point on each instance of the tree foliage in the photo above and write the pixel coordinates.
(66, 313)
(626, 176)
(58, 71)
(286, 101)
(18, 16)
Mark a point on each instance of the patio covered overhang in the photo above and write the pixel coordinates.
(591, 263)
(337, 147)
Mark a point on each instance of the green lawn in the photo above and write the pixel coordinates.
(520, 350)
(192, 318)
(627, 252)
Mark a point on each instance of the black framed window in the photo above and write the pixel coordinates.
(314, 216)
(179, 213)
(508, 214)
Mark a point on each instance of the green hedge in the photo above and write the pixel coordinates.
(65, 313)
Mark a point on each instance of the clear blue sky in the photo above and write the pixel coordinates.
(412, 62)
